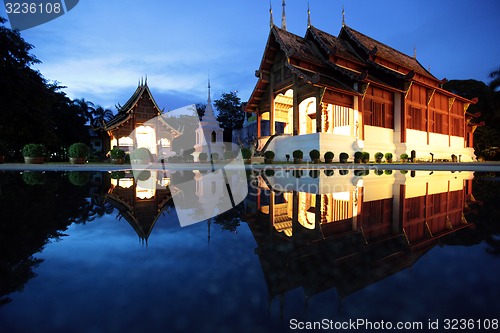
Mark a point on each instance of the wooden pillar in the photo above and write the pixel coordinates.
(272, 124)
(259, 127)
(272, 198)
(317, 212)
(295, 106)
(319, 111)
(295, 212)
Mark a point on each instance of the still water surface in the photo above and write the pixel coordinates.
(94, 253)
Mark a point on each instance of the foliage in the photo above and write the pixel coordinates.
(378, 155)
(230, 114)
(117, 153)
(78, 178)
(203, 156)
(343, 156)
(214, 156)
(358, 155)
(365, 156)
(117, 174)
(314, 154)
(246, 153)
(388, 156)
(34, 178)
(78, 149)
(403, 156)
(329, 155)
(34, 150)
(298, 154)
(142, 154)
(269, 154)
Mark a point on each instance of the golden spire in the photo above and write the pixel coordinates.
(283, 17)
(271, 21)
(308, 16)
(343, 16)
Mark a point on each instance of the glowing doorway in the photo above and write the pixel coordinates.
(145, 137)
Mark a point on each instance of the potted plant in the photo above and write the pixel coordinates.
(343, 157)
(247, 155)
(3, 153)
(34, 153)
(287, 156)
(298, 155)
(404, 158)
(269, 157)
(388, 157)
(228, 155)
(117, 155)
(78, 153)
(365, 157)
(314, 155)
(378, 157)
(141, 156)
(357, 157)
(215, 157)
(328, 157)
(203, 157)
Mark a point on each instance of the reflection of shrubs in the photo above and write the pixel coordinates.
(34, 178)
(388, 172)
(269, 172)
(144, 175)
(404, 172)
(343, 172)
(297, 173)
(361, 173)
(314, 173)
(117, 174)
(78, 178)
(379, 172)
(329, 173)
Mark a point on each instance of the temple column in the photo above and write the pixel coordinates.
(272, 124)
(319, 112)
(272, 198)
(259, 127)
(295, 106)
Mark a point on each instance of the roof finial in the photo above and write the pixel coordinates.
(146, 80)
(271, 21)
(283, 17)
(343, 16)
(414, 52)
(209, 100)
(308, 15)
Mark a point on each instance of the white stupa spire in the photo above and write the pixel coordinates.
(209, 111)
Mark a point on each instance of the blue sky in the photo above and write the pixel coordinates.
(100, 49)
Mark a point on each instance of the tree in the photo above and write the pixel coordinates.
(100, 116)
(230, 115)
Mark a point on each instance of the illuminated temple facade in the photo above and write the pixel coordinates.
(139, 124)
(351, 93)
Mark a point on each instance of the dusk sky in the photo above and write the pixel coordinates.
(100, 49)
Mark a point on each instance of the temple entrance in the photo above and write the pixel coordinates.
(145, 137)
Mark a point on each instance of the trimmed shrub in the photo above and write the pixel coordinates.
(78, 150)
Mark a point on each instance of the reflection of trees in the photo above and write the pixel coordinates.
(32, 215)
(230, 220)
(483, 211)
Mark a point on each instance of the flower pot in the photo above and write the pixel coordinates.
(344, 160)
(297, 160)
(389, 160)
(365, 160)
(117, 160)
(378, 160)
(2, 159)
(34, 160)
(77, 160)
(247, 161)
(315, 161)
(268, 160)
(329, 160)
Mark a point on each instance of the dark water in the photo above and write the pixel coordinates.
(79, 253)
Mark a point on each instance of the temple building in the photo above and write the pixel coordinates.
(139, 123)
(351, 93)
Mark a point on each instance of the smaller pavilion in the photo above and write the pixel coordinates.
(209, 133)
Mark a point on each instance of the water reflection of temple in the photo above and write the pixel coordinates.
(346, 231)
(140, 200)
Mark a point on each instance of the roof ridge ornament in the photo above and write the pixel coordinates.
(271, 21)
(414, 52)
(343, 16)
(308, 16)
(283, 16)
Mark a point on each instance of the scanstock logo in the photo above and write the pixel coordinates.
(26, 14)
(200, 190)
